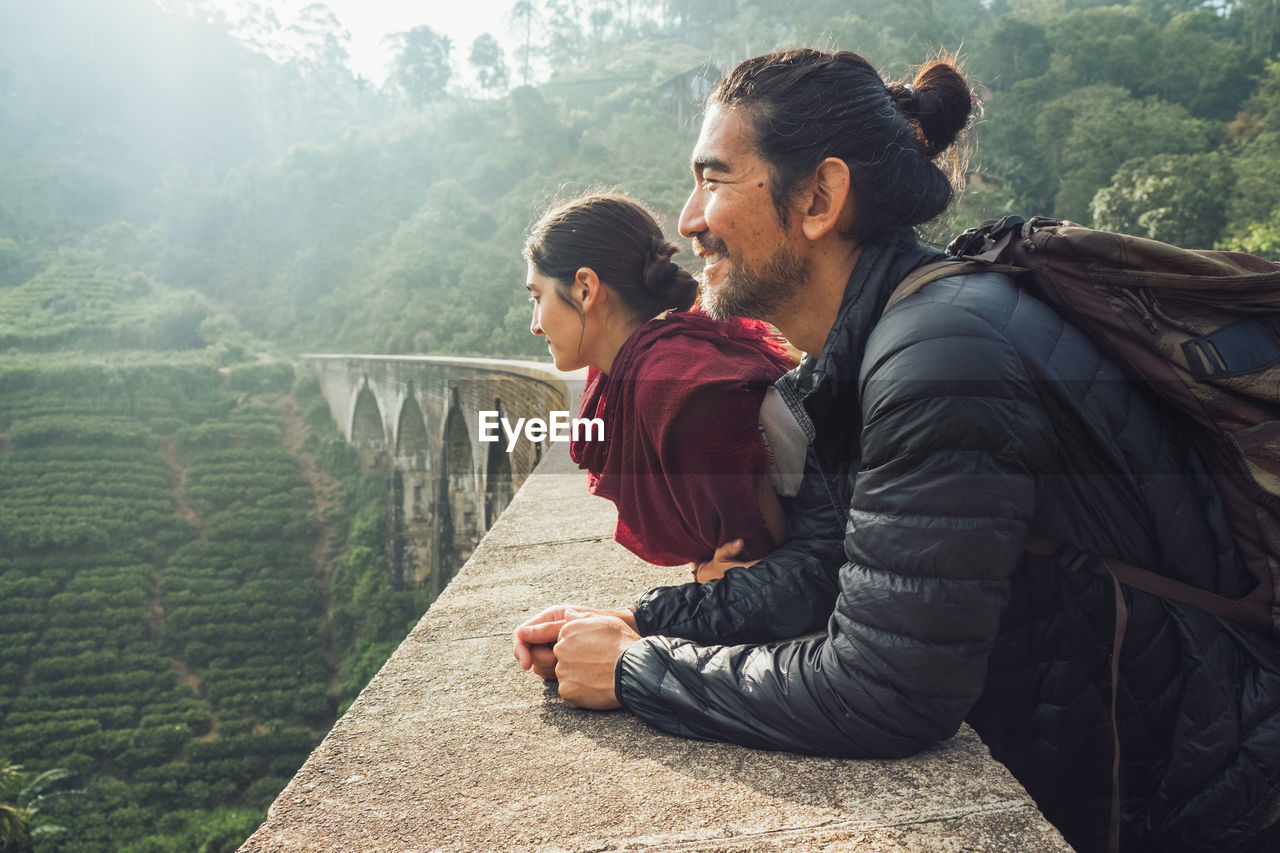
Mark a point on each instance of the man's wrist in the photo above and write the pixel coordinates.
(628, 615)
(617, 675)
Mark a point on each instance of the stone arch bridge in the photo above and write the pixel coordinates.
(418, 417)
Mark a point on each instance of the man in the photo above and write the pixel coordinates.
(944, 432)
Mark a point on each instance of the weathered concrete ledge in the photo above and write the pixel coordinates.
(526, 369)
(452, 747)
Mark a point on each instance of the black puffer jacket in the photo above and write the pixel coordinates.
(967, 418)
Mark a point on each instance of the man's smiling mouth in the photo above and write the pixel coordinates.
(711, 250)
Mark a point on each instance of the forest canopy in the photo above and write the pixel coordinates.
(256, 183)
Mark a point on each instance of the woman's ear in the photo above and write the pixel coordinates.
(828, 202)
(588, 289)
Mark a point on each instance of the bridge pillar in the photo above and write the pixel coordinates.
(412, 510)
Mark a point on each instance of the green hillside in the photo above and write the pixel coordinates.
(165, 612)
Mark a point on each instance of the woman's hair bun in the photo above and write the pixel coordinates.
(621, 241)
(938, 102)
(669, 284)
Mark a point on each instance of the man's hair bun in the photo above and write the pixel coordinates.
(938, 103)
(807, 105)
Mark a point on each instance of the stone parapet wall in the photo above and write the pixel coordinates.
(451, 747)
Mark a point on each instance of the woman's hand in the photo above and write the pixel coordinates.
(725, 558)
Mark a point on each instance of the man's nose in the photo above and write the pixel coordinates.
(691, 217)
(535, 326)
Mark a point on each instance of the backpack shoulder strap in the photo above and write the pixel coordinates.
(928, 273)
(1247, 611)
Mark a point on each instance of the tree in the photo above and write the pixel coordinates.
(1255, 205)
(421, 67)
(1162, 10)
(1198, 64)
(259, 29)
(523, 14)
(324, 42)
(15, 823)
(21, 801)
(1174, 198)
(489, 63)
(1259, 238)
(1015, 50)
(1088, 134)
(564, 41)
(1257, 24)
(1108, 46)
(1008, 145)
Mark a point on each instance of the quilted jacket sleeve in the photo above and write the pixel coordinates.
(790, 592)
(953, 435)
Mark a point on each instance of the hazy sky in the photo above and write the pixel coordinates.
(370, 20)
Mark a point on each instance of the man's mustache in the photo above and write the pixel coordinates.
(709, 244)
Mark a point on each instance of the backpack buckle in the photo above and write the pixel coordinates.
(1073, 559)
(1234, 350)
(987, 242)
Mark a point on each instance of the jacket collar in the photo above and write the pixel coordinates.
(879, 270)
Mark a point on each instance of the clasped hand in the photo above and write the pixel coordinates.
(579, 647)
(727, 556)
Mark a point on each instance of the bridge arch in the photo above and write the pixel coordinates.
(367, 434)
(412, 442)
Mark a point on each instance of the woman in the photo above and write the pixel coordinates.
(680, 394)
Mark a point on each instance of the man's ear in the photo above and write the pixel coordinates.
(588, 289)
(827, 203)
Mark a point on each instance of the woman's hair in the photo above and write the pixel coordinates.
(806, 105)
(619, 239)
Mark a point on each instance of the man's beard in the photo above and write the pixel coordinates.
(753, 292)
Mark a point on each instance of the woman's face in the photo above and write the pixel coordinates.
(556, 321)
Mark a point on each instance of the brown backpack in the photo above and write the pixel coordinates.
(1202, 329)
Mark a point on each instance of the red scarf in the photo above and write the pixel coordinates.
(682, 453)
